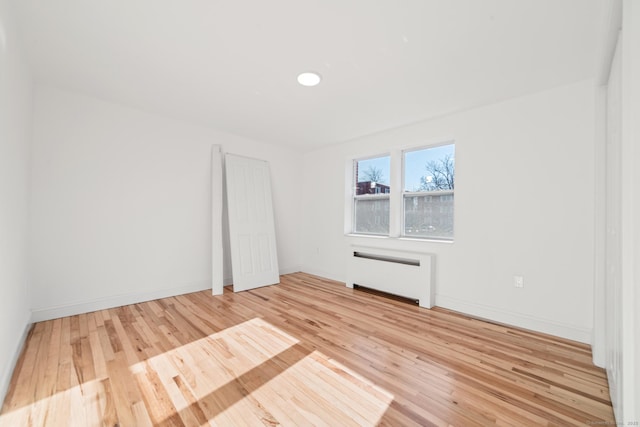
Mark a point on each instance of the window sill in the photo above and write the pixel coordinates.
(368, 236)
(402, 239)
(425, 239)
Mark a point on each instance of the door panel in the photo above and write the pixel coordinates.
(254, 259)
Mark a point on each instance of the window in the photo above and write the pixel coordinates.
(423, 209)
(429, 181)
(371, 195)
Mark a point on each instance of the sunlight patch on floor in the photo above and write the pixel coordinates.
(211, 362)
(249, 374)
(66, 408)
(319, 391)
(254, 373)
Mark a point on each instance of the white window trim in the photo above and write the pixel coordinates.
(351, 197)
(428, 193)
(396, 195)
(371, 196)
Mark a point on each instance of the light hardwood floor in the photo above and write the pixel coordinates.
(308, 351)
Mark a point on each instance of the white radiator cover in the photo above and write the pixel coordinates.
(403, 273)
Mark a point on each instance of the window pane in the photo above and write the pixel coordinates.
(429, 216)
(372, 175)
(371, 216)
(430, 169)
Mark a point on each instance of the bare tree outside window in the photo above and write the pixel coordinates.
(373, 174)
(440, 174)
(429, 183)
(371, 195)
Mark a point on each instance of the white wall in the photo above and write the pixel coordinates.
(121, 203)
(524, 205)
(15, 117)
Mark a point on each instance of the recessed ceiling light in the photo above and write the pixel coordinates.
(309, 79)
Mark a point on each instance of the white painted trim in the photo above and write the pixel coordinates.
(217, 248)
(324, 274)
(48, 313)
(349, 174)
(598, 346)
(8, 371)
(628, 410)
(396, 200)
(533, 323)
(229, 280)
(289, 270)
(378, 196)
(495, 314)
(396, 183)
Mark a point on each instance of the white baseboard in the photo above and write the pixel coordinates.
(8, 370)
(229, 280)
(289, 270)
(495, 314)
(325, 274)
(572, 332)
(55, 312)
(48, 313)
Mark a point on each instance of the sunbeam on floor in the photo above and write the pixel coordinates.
(249, 374)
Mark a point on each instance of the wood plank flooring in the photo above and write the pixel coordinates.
(308, 351)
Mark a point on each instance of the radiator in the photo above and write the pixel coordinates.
(403, 273)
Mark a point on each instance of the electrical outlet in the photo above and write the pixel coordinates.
(518, 281)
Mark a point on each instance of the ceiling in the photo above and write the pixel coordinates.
(232, 64)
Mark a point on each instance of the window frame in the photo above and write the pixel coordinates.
(406, 194)
(376, 196)
(396, 193)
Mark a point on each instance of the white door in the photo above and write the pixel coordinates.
(252, 234)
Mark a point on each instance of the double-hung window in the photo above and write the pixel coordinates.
(371, 192)
(429, 182)
(424, 209)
